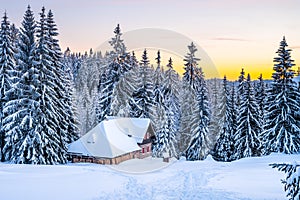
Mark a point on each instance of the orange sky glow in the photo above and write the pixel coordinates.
(234, 34)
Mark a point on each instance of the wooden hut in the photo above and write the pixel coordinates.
(114, 140)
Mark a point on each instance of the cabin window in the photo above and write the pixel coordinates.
(148, 149)
(143, 150)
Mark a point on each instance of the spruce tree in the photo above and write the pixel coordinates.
(190, 65)
(261, 96)
(282, 130)
(18, 124)
(123, 92)
(46, 143)
(217, 107)
(246, 139)
(117, 43)
(240, 88)
(292, 180)
(142, 101)
(224, 149)
(167, 102)
(118, 64)
(200, 142)
(158, 81)
(61, 97)
(7, 76)
(189, 117)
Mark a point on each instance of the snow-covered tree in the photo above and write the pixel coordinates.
(43, 143)
(190, 65)
(117, 43)
(189, 116)
(123, 92)
(292, 181)
(7, 79)
(66, 126)
(240, 88)
(118, 64)
(142, 101)
(234, 110)
(158, 81)
(173, 84)
(246, 139)
(261, 96)
(217, 101)
(282, 130)
(168, 116)
(72, 121)
(14, 33)
(200, 143)
(18, 121)
(224, 147)
(87, 91)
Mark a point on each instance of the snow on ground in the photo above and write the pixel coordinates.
(249, 178)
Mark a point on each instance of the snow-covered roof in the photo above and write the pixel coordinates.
(112, 137)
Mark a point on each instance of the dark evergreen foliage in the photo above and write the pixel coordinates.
(282, 129)
(246, 140)
(224, 148)
(7, 79)
(292, 181)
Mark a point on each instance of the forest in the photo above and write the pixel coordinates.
(50, 98)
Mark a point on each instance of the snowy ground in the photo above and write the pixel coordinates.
(249, 178)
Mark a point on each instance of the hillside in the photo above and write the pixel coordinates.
(249, 178)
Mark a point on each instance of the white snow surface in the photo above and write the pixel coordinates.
(248, 178)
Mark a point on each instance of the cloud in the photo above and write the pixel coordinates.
(230, 39)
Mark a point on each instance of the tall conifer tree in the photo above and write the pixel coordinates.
(282, 130)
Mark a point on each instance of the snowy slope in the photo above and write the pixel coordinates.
(249, 178)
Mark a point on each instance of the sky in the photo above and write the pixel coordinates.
(235, 34)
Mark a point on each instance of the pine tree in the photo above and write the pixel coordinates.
(189, 116)
(117, 43)
(7, 64)
(234, 114)
(246, 139)
(241, 88)
(72, 121)
(217, 106)
(142, 101)
(118, 64)
(18, 121)
(44, 145)
(173, 84)
(167, 104)
(200, 143)
(282, 128)
(292, 180)
(123, 92)
(66, 125)
(224, 148)
(158, 81)
(261, 96)
(190, 65)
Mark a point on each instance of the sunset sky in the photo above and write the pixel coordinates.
(233, 33)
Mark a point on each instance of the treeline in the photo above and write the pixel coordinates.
(48, 98)
(192, 116)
